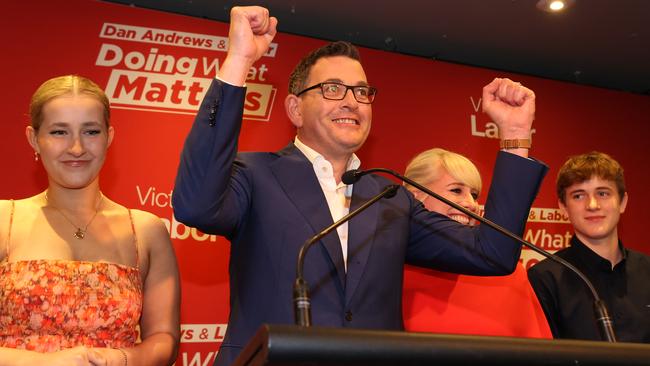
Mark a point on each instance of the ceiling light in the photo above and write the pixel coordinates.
(554, 6)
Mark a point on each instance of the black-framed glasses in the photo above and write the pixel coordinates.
(337, 91)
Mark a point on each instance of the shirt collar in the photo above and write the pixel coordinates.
(591, 258)
(316, 158)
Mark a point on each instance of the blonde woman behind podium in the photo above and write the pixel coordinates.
(449, 303)
(450, 175)
(79, 272)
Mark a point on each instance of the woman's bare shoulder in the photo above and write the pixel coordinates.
(150, 228)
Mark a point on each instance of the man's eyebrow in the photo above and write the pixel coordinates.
(605, 187)
(334, 80)
(577, 191)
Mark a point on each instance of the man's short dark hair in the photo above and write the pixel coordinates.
(300, 73)
(580, 168)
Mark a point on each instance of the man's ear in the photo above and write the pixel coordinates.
(562, 207)
(623, 203)
(292, 108)
(31, 135)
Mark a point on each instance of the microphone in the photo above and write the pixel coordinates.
(602, 316)
(352, 176)
(301, 301)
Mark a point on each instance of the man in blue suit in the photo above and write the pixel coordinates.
(269, 204)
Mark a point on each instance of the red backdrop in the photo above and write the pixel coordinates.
(155, 67)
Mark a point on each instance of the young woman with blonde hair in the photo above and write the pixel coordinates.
(83, 279)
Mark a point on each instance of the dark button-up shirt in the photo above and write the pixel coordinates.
(569, 305)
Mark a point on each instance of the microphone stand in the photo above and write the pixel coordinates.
(602, 316)
(301, 301)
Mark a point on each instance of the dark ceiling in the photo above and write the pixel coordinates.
(603, 43)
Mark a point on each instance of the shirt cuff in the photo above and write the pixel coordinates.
(231, 84)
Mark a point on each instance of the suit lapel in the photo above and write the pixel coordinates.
(296, 176)
(361, 233)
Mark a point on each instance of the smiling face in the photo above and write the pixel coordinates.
(594, 208)
(334, 128)
(453, 190)
(450, 175)
(72, 140)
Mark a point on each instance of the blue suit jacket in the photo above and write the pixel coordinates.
(268, 204)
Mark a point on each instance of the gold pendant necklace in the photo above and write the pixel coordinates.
(80, 233)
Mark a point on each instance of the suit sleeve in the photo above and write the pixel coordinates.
(446, 245)
(207, 195)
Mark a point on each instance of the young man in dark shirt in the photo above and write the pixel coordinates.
(591, 191)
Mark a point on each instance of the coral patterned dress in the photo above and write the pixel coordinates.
(50, 305)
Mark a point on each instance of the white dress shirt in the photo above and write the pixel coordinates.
(337, 195)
